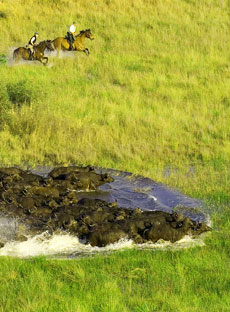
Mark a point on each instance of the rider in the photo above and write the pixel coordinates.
(71, 35)
(31, 43)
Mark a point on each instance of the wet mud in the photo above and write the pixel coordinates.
(96, 205)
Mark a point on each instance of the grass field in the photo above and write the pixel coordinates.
(153, 95)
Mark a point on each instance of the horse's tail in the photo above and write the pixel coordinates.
(20, 53)
(57, 43)
(16, 56)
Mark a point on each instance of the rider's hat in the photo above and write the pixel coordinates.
(36, 33)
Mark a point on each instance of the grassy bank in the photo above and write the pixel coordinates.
(140, 281)
(153, 94)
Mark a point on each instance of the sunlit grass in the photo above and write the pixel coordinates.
(155, 86)
(153, 99)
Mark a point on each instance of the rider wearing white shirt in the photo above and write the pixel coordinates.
(71, 35)
(72, 28)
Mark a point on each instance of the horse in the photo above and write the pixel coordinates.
(22, 53)
(61, 43)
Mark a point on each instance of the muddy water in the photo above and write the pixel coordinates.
(8, 227)
(130, 192)
(135, 191)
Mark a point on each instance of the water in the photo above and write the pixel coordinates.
(66, 246)
(129, 191)
(132, 192)
(8, 228)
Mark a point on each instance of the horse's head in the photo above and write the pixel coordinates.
(50, 45)
(88, 34)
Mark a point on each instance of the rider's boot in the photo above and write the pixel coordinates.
(31, 54)
(71, 46)
(71, 40)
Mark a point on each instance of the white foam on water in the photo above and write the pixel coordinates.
(153, 197)
(186, 242)
(66, 245)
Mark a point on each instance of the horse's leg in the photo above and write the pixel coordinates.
(57, 46)
(86, 51)
(44, 60)
(62, 47)
(41, 58)
(58, 50)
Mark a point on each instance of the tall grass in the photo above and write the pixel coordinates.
(152, 98)
(189, 280)
(155, 87)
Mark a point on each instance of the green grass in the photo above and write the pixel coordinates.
(189, 280)
(153, 95)
(154, 87)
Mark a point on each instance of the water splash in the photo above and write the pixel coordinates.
(64, 245)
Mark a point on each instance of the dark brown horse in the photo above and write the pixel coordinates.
(61, 43)
(24, 54)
